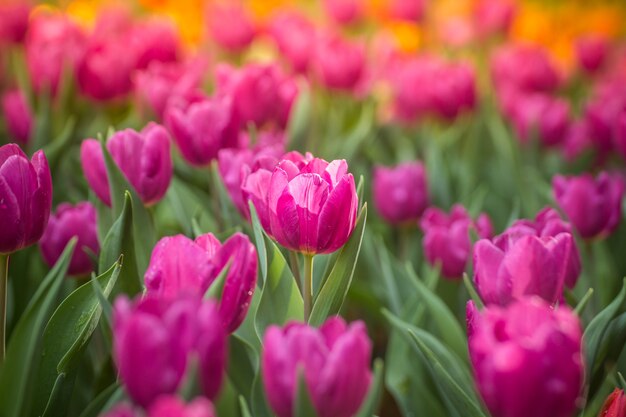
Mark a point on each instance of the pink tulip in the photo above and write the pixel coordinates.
(230, 26)
(615, 404)
(591, 52)
(410, 10)
(72, 221)
(155, 40)
(14, 21)
(143, 157)
(180, 265)
(447, 238)
(334, 359)
(171, 406)
(295, 36)
(17, 115)
(541, 115)
(26, 196)
(494, 16)
(339, 63)
(400, 192)
(344, 12)
(525, 68)
(594, 206)
(527, 358)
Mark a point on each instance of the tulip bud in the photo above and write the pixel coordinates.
(401, 192)
(179, 265)
(615, 405)
(13, 21)
(26, 195)
(143, 157)
(72, 221)
(18, 116)
(311, 205)
(203, 129)
(294, 34)
(591, 52)
(344, 12)
(447, 238)
(340, 64)
(527, 358)
(230, 26)
(594, 206)
(171, 406)
(334, 360)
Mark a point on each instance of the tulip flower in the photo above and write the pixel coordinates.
(230, 26)
(143, 157)
(154, 40)
(591, 52)
(493, 16)
(620, 134)
(339, 64)
(171, 406)
(615, 405)
(344, 12)
(334, 361)
(593, 205)
(18, 116)
(524, 68)
(541, 115)
(527, 358)
(72, 221)
(401, 192)
(294, 34)
(179, 265)
(204, 128)
(410, 10)
(447, 238)
(13, 21)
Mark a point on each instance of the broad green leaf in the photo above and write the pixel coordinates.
(64, 340)
(260, 242)
(375, 393)
(259, 405)
(242, 364)
(245, 411)
(336, 286)
(17, 372)
(303, 405)
(105, 400)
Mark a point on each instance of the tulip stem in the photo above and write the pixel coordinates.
(307, 292)
(4, 275)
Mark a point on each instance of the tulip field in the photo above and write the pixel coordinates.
(312, 208)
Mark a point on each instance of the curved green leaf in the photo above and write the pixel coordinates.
(375, 393)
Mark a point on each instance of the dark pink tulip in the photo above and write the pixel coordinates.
(262, 93)
(591, 52)
(155, 40)
(53, 43)
(400, 192)
(339, 63)
(143, 157)
(210, 348)
(620, 134)
(335, 361)
(203, 128)
(526, 68)
(411, 10)
(593, 205)
(72, 221)
(527, 358)
(230, 26)
(344, 12)
(541, 115)
(615, 404)
(14, 21)
(180, 265)
(295, 36)
(602, 111)
(172, 406)
(493, 16)
(26, 196)
(17, 116)
(311, 205)
(447, 238)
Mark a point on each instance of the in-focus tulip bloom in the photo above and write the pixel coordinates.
(180, 265)
(72, 221)
(593, 205)
(172, 406)
(295, 36)
(230, 26)
(526, 68)
(334, 359)
(400, 192)
(591, 52)
(143, 157)
(203, 128)
(13, 21)
(26, 196)
(262, 93)
(527, 358)
(447, 238)
(311, 205)
(344, 11)
(615, 405)
(339, 63)
(17, 116)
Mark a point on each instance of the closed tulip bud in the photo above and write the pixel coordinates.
(26, 195)
(339, 64)
(294, 34)
(334, 360)
(172, 406)
(230, 26)
(593, 205)
(179, 265)
(143, 157)
(615, 405)
(72, 221)
(344, 12)
(204, 128)
(401, 192)
(525, 68)
(527, 358)
(311, 205)
(17, 116)
(591, 52)
(447, 238)
(13, 21)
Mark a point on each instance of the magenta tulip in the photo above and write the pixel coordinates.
(180, 265)
(143, 157)
(592, 52)
(400, 192)
(14, 21)
(344, 12)
(334, 359)
(204, 128)
(26, 195)
(72, 221)
(171, 406)
(541, 116)
(339, 63)
(493, 16)
(230, 26)
(295, 35)
(447, 238)
(527, 358)
(410, 10)
(525, 68)
(593, 205)
(17, 116)
(155, 40)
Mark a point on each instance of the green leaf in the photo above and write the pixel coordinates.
(336, 286)
(260, 408)
(300, 121)
(375, 393)
(303, 405)
(260, 241)
(243, 362)
(472, 292)
(580, 307)
(104, 401)
(16, 373)
(216, 288)
(245, 412)
(64, 340)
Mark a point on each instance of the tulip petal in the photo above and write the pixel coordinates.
(10, 219)
(338, 217)
(487, 261)
(92, 161)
